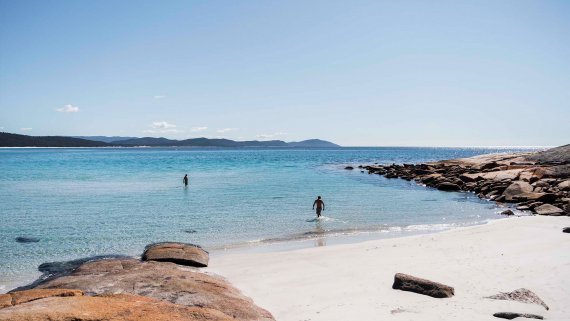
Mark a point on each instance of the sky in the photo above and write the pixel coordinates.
(358, 73)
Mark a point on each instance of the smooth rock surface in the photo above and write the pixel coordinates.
(411, 283)
(516, 188)
(20, 297)
(564, 186)
(164, 281)
(119, 307)
(179, 253)
(547, 209)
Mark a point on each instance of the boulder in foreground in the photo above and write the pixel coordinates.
(179, 253)
(566, 230)
(520, 295)
(513, 315)
(163, 281)
(118, 307)
(410, 283)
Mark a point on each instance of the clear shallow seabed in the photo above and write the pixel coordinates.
(83, 202)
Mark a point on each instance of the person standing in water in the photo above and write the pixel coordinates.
(185, 180)
(320, 206)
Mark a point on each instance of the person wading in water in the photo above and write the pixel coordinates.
(185, 180)
(320, 206)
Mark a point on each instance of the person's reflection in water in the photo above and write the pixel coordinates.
(320, 233)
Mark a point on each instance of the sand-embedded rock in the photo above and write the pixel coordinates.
(119, 307)
(547, 209)
(164, 281)
(520, 295)
(566, 230)
(179, 253)
(513, 315)
(411, 283)
(19, 297)
(516, 188)
(507, 212)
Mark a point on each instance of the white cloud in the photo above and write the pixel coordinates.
(162, 125)
(158, 96)
(25, 129)
(225, 130)
(68, 109)
(268, 136)
(198, 129)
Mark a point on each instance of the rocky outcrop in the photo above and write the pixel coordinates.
(179, 253)
(520, 295)
(514, 315)
(164, 281)
(414, 284)
(552, 156)
(528, 179)
(117, 307)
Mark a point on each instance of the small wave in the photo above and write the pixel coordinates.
(323, 219)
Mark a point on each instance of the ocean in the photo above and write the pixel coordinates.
(82, 202)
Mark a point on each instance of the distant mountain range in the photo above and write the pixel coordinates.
(105, 139)
(16, 140)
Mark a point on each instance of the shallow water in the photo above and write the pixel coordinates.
(86, 202)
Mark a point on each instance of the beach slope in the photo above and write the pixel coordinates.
(354, 281)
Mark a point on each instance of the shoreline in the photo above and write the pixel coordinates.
(292, 242)
(353, 281)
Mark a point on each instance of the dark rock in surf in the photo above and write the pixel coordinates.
(349, 168)
(414, 284)
(448, 186)
(24, 239)
(179, 253)
(507, 212)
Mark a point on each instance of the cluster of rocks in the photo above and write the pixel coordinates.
(524, 179)
(418, 285)
(165, 285)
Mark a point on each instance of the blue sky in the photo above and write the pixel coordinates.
(359, 73)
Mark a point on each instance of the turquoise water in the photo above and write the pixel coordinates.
(85, 202)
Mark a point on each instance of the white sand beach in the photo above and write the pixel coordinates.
(353, 282)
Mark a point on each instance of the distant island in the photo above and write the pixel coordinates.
(16, 140)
